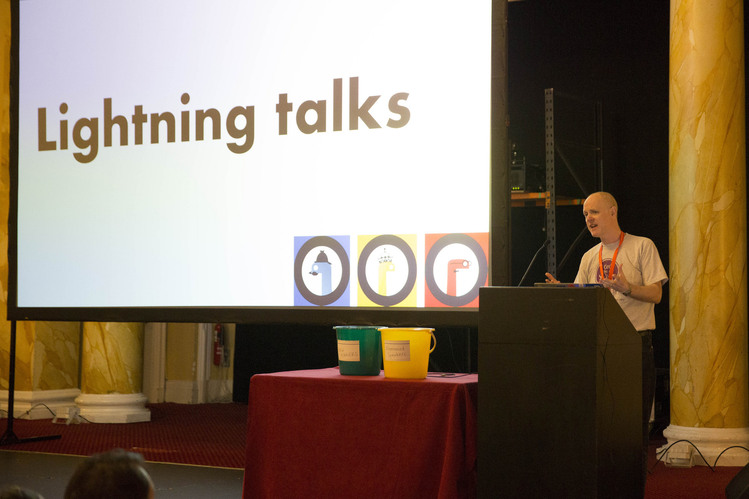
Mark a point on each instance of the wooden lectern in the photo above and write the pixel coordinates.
(560, 395)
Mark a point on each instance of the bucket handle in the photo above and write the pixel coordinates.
(435, 342)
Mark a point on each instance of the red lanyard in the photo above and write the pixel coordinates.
(613, 260)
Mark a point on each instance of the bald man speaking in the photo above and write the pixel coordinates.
(631, 268)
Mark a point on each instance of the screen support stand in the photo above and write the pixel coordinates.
(10, 438)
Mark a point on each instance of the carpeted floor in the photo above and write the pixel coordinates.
(215, 435)
(697, 482)
(202, 434)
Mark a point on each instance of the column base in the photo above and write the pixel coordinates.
(689, 447)
(40, 404)
(113, 408)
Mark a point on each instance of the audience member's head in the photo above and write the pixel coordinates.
(16, 492)
(111, 475)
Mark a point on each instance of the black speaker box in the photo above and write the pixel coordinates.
(738, 488)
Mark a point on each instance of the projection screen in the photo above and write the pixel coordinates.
(264, 160)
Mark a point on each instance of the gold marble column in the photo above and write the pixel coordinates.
(46, 375)
(707, 234)
(112, 373)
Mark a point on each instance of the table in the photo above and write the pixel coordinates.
(317, 433)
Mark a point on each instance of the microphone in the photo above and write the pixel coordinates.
(544, 245)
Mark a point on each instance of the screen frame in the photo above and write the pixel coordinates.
(498, 260)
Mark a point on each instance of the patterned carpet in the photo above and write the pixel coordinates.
(215, 435)
(202, 434)
(697, 482)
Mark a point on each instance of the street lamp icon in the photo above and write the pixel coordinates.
(453, 267)
(385, 265)
(323, 268)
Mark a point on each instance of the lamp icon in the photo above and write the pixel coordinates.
(323, 268)
(385, 265)
(453, 267)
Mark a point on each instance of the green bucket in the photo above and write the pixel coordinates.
(359, 350)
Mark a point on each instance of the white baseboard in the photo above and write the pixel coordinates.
(220, 390)
(692, 446)
(186, 392)
(113, 407)
(180, 392)
(40, 404)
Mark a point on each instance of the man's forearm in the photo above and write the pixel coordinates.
(651, 293)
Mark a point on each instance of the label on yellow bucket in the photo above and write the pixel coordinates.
(396, 350)
(348, 350)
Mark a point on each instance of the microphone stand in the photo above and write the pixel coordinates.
(579, 238)
(10, 438)
(533, 260)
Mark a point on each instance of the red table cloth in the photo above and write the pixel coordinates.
(317, 433)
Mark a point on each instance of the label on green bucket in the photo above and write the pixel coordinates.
(348, 350)
(396, 350)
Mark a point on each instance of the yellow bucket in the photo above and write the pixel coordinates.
(405, 351)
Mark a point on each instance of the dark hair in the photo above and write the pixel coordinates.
(115, 474)
(17, 492)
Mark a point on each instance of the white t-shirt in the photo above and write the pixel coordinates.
(639, 260)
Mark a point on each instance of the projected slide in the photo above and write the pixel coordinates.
(275, 153)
